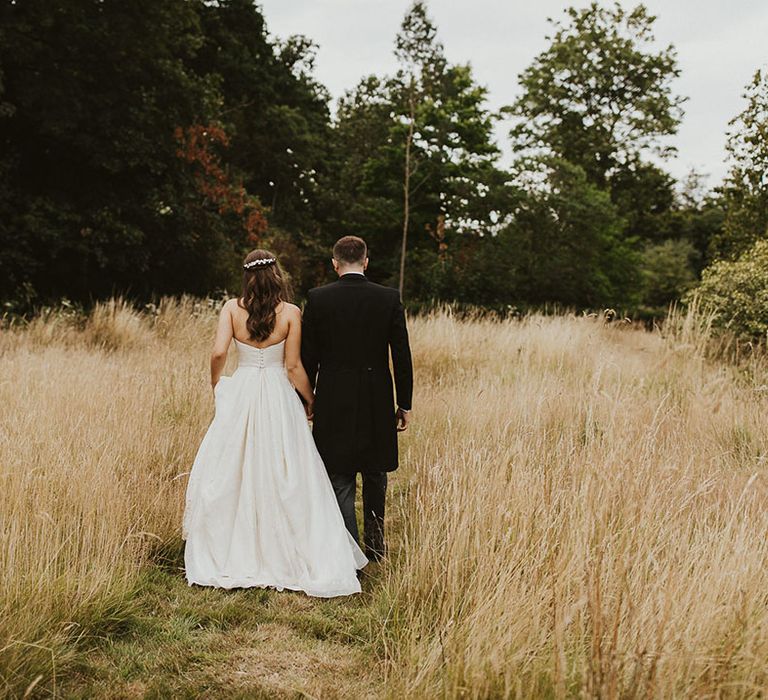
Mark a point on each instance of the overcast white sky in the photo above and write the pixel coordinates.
(720, 44)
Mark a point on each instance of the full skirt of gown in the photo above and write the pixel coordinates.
(260, 508)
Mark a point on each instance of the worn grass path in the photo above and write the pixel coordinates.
(182, 642)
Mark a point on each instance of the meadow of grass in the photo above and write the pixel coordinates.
(580, 510)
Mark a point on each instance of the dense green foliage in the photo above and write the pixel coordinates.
(145, 147)
(735, 285)
(456, 188)
(600, 98)
(745, 191)
(115, 120)
(737, 292)
(93, 198)
(598, 95)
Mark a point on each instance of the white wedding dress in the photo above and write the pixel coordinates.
(260, 509)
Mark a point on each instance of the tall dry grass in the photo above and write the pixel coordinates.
(581, 508)
(99, 420)
(585, 514)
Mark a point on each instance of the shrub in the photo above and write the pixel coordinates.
(116, 324)
(737, 292)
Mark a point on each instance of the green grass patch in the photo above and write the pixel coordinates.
(189, 642)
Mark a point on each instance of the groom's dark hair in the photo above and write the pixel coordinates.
(350, 250)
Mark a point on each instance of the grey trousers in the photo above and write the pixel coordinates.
(374, 496)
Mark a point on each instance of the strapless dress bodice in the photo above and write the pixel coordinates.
(272, 356)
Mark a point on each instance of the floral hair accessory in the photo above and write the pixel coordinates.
(261, 263)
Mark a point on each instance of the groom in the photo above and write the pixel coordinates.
(349, 329)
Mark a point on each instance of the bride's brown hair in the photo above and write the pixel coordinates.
(264, 287)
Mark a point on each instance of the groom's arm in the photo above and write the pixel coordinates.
(309, 350)
(401, 357)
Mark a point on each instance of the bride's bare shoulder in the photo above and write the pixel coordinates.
(291, 309)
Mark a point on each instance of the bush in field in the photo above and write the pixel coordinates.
(737, 291)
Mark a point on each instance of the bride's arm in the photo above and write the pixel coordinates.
(221, 344)
(293, 365)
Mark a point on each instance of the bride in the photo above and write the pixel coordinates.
(260, 509)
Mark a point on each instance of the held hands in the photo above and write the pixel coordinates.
(403, 418)
(309, 408)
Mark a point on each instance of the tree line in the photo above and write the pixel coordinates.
(145, 146)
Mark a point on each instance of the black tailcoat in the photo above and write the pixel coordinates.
(349, 328)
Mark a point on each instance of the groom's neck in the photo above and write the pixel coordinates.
(350, 268)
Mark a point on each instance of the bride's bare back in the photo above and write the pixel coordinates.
(279, 332)
(232, 324)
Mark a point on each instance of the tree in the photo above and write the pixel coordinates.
(667, 274)
(416, 154)
(276, 112)
(744, 194)
(568, 240)
(645, 195)
(599, 99)
(599, 96)
(674, 225)
(354, 197)
(137, 143)
(422, 65)
(96, 199)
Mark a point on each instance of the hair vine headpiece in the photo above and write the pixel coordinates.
(261, 263)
